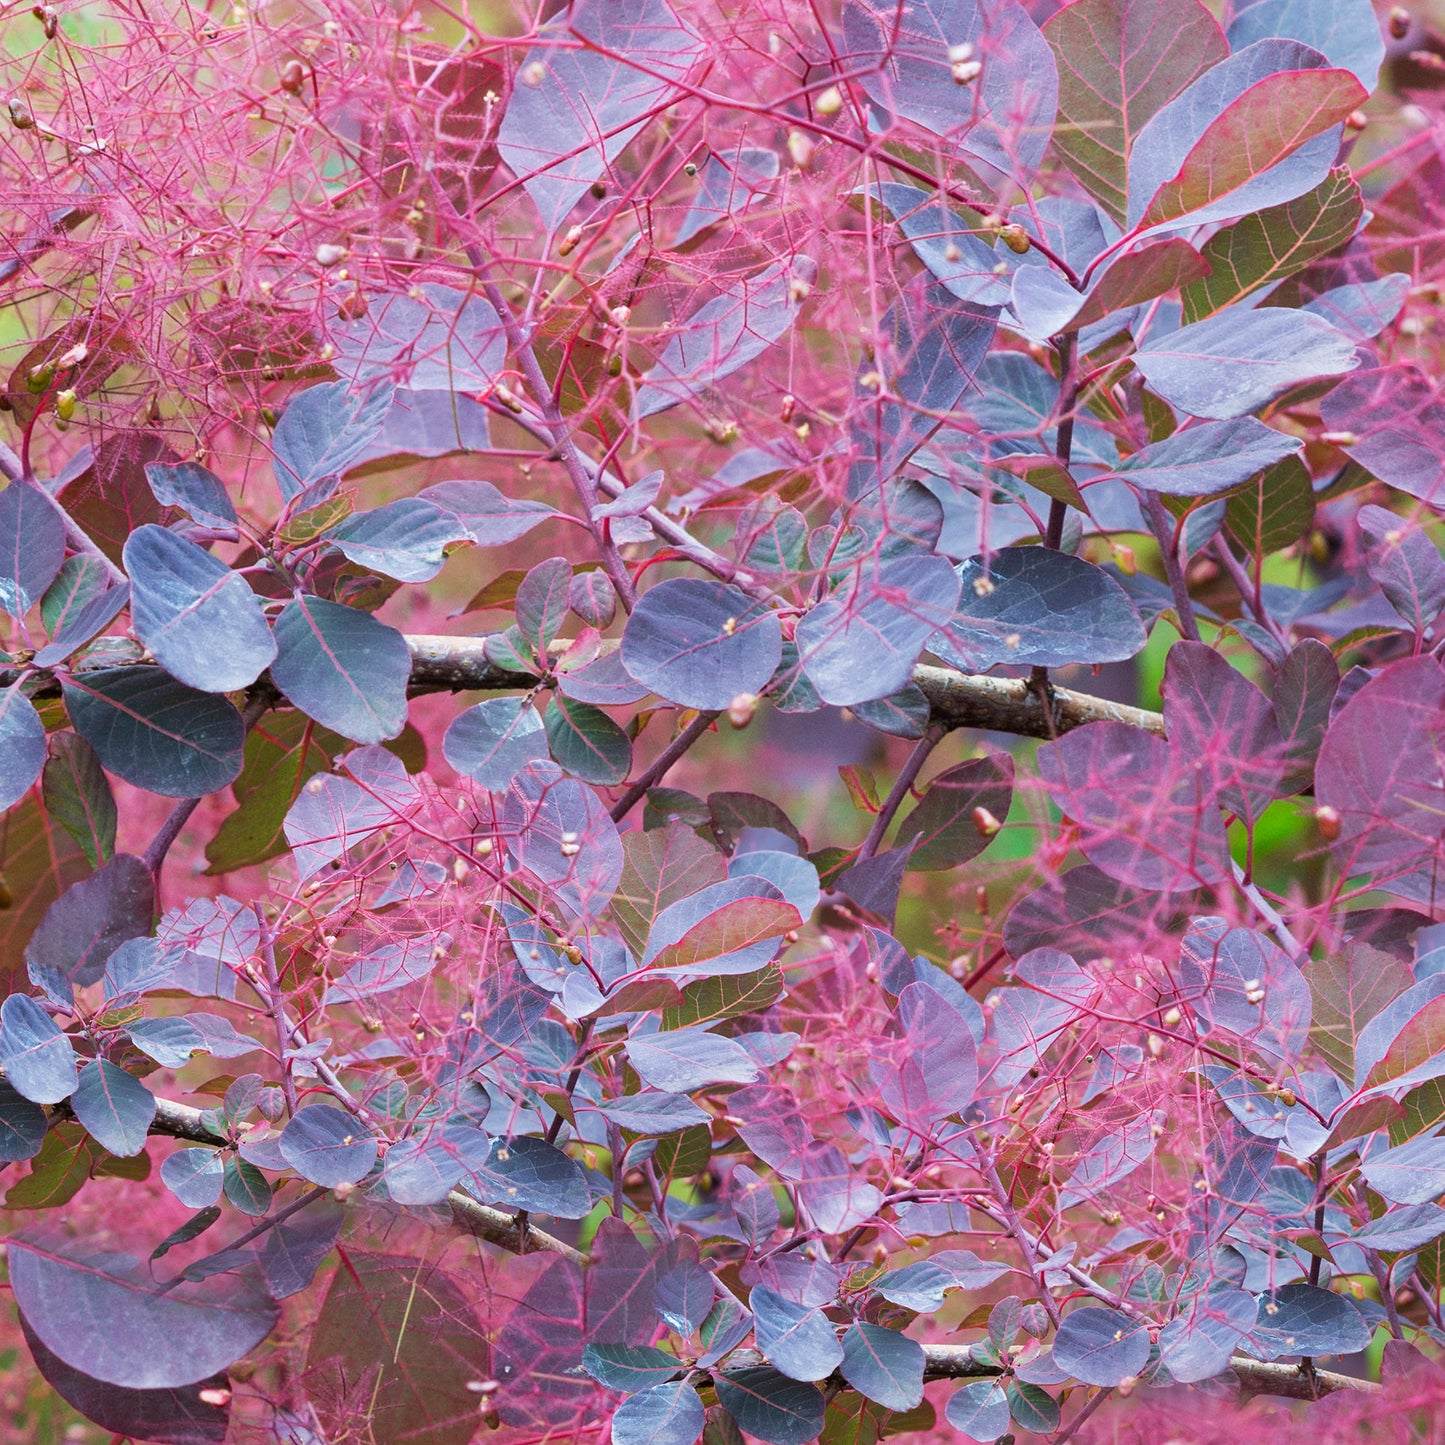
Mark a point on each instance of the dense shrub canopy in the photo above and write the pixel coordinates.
(722, 721)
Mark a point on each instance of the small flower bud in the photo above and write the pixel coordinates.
(985, 824)
(570, 241)
(800, 148)
(1399, 22)
(65, 405)
(1125, 560)
(984, 587)
(215, 1396)
(830, 102)
(1173, 1018)
(966, 71)
(532, 74)
(1357, 120)
(742, 708)
(620, 315)
(293, 77)
(1014, 237)
(1339, 438)
(328, 254)
(20, 115)
(1327, 819)
(789, 406)
(73, 357)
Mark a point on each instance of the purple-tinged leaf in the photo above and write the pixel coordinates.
(1197, 1344)
(684, 1296)
(1024, 1025)
(1348, 989)
(943, 827)
(930, 1070)
(1141, 276)
(427, 1167)
(327, 1146)
(22, 746)
(1004, 117)
(929, 348)
(246, 1188)
(1261, 249)
(663, 866)
(406, 539)
(1300, 1319)
(1218, 718)
(729, 185)
(732, 927)
(1405, 1042)
(701, 644)
(195, 489)
(768, 1405)
(114, 1106)
(861, 644)
(343, 668)
(184, 1416)
(490, 519)
(1120, 61)
(1138, 807)
(106, 1317)
(1237, 982)
(1345, 32)
(392, 966)
(686, 1059)
(200, 619)
(87, 923)
(38, 1059)
(172, 1041)
(666, 1414)
(1043, 303)
(1038, 607)
(883, 1365)
(1032, 1408)
(1101, 1346)
(795, 878)
(800, 1341)
(753, 1203)
(1405, 563)
(541, 602)
(1234, 362)
(293, 1250)
(654, 1112)
(155, 732)
(722, 335)
(194, 1176)
(1113, 1155)
(586, 743)
(1201, 461)
(334, 814)
(84, 624)
(1304, 690)
(527, 1173)
(1401, 1229)
(23, 1125)
(579, 104)
(560, 832)
(427, 339)
(1412, 1173)
(980, 1411)
(630, 1368)
(1388, 798)
(323, 430)
(1362, 310)
(922, 1285)
(32, 546)
(1083, 912)
(77, 794)
(592, 597)
(1395, 417)
(1252, 131)
(494, 740)
(948, 245)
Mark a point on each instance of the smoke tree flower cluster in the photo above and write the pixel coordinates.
(722, 721)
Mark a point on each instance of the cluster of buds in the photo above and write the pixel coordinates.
(964, 67)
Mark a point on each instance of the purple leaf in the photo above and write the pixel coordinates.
(667, 1414)
(1137, 805)
(343, 668)
(629, 1367)
(1405, 563)
(1006, 115)
(491, 519)
(406, 539)
(494, 740)
(201, 620)
(799, 1340)
(1111, 1156)
(1346, 32)
(38, 1059)
(1101, 1346)
(930, 1070)
(883, 1365)
(427, 1167)
(327, 1146)
(1391, 419)
(980, 1411)
(1300, 1319)
(32, 546)
(194, 1176)
(115, 1107)
(1237, 982)
(334, 814)
(293, 1250)
(942, 827)
(1237, 361)
(684, 1296)
(195, 489)
(560, 832)
(527, 1173)
(105, 1317)
(770, 1406)
(428, 339)
(947, 245)
(1304, 690)
(1084, 912)
(577, 106)
(685, 1059)
(1197, 1344)
(922, 1285)
(324, 430)
(1200, 461)
(22, 746)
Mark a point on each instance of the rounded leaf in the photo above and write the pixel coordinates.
(194, 1176)
(1101, 1346)
(493, 741)
(700, 644)
(22, 746)
(667, 1414)
(327, 1146)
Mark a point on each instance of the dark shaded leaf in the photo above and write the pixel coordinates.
(23, 1125)
(292, 1252)
(884, 1365)
(38, 1059)
(22, 746)
(942, 827)
(77, 795)
(527, 1173)
(799, 1340)
(1201, 461)
(195, 489)
(1084, 912)
(772, 1407)
(1394, 415)
(155, 732)
(115, 1107)
(1405, 563)
(585, 742)
(1274, 510)
(1299, 1319)
(1101, 1346)
(88, 922)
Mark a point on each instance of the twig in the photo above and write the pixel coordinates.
(905, 780)
(276, 1004)
(664, 760)
(1162, 525)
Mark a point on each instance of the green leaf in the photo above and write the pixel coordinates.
(1348, 989)
(193, 1228)
(1275, 243)
(79, 581)
(282, 752)
(60, 1168)
(1274, 510)
(585, 742)
(659, 868)
(1119, 62)
(77, 795)
(725, 997)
